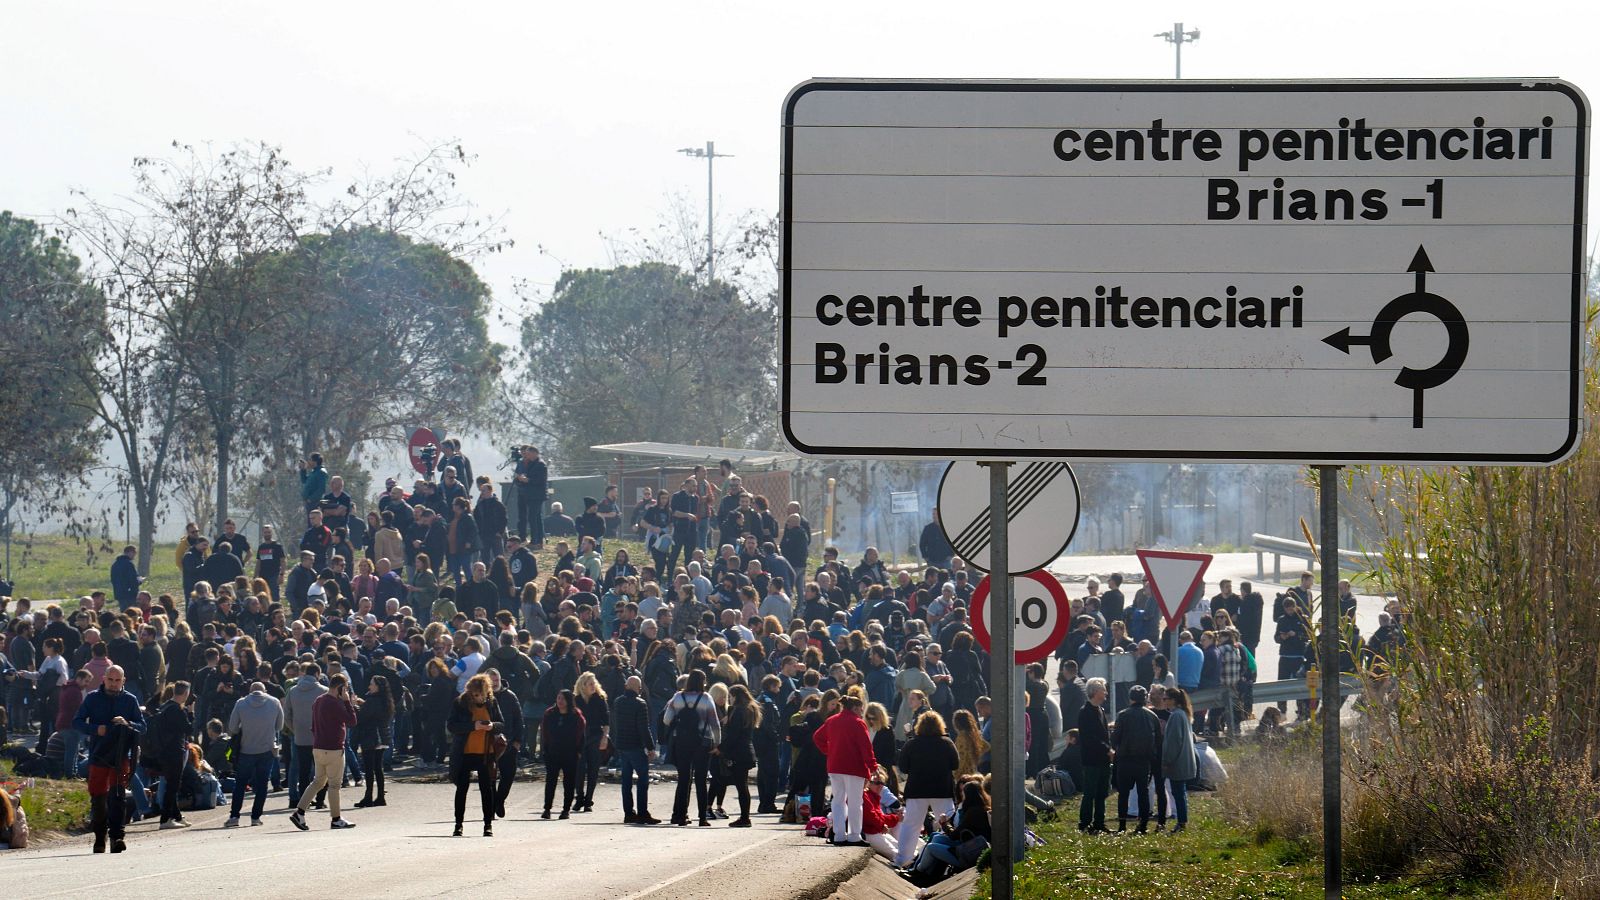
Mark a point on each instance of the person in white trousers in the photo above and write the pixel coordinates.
(843, 740)
(929, 762)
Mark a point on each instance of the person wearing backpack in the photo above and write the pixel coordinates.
(1136, 741)
(768, 738)
(692, 729)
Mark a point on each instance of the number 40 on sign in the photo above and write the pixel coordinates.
(1043, 616)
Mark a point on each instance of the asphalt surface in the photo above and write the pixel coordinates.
(405, 850)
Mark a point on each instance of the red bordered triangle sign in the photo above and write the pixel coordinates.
(1175, 575)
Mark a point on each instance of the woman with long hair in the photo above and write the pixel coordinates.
(621, 567)
(1178, 763)
(505, 590)
(969, 743)
(227, 686)
(435, 710)
(718, 773)
(692, 729)
(596, 712)
(371, 739)
(737, 750)
(966, 671)
(533, 620)
(561, 734)
(725, 671)
(882, 736)
(474, 723)
(660, 668)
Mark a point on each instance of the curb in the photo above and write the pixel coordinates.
(876, 881)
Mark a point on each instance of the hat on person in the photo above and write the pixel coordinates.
(586, 583)
(590, 501)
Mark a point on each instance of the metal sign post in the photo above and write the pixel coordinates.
(1328, 659)
(1006, 794)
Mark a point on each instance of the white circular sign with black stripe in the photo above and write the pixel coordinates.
(1041, 512)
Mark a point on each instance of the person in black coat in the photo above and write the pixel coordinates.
(515, 732)
(636, 746)
(475, 721)
(1095, 743)
(492, 518)
(808, 773)
(928, 762)
(193, 565)
(561, 737)
(173, 726)
(1138, 747)
(596, 710)
(371, 737)
(737, 753)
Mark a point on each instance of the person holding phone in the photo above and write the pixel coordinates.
(332, 714)
(475, 721)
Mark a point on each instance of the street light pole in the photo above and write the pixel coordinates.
(1177, 37)
(710, 155)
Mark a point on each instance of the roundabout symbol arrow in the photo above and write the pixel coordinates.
(1419, 300)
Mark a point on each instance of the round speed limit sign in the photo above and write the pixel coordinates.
(1041, 618)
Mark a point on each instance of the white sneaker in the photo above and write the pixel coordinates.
(173, 823)
(233, 822)
(341, 823)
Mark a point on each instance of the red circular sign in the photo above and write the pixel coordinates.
(420, 437)
(1040, 626)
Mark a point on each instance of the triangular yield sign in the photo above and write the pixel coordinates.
(1181, 573)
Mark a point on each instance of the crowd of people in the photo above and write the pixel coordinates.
(850, 699)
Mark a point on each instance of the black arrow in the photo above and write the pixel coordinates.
(1420, 264)
(1342, 340)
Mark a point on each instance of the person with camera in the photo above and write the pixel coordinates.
(313, 481)
(332, 714)
(477, 737)
(453, 458)
(532, 478)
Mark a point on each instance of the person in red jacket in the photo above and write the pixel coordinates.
(331, 717)
(843, 740)
(877, 827)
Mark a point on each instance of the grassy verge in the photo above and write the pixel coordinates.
(53, 567)
(51, 805)
(1211, 860)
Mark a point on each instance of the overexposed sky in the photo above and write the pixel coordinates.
(575, 110)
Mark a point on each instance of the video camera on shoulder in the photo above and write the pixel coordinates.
(429, 455)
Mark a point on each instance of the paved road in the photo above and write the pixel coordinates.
(405, 850)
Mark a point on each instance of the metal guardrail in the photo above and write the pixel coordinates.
(1274, 691)
(1281, 547)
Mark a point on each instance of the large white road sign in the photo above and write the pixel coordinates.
(1312, 272)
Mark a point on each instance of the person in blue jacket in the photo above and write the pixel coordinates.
(112, 719)
(125, 578)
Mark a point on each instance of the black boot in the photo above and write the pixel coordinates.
(97, 819)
